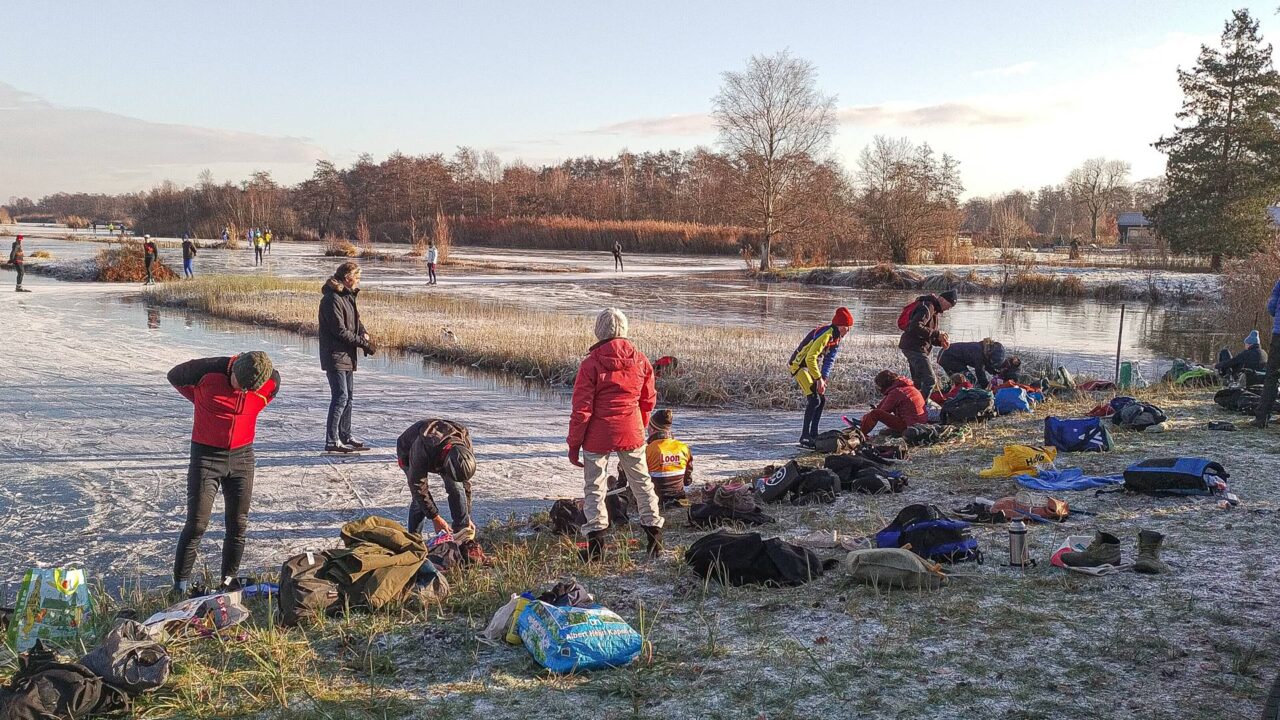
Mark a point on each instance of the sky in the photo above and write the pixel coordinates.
(117, 96)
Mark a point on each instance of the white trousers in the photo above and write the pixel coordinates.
(633, 465)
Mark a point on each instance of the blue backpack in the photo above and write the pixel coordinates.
(1176, 476)
(1011, 400)
(570, 639)
(931, 535)
(1077, 435)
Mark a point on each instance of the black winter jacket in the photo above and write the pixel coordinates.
(922, 327)
(418, 452)
(1251, 358)
(969, 355)
(341, 331)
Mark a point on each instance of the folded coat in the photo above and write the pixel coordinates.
(378, 565)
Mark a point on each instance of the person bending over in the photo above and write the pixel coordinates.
(811, 365)
(984, 356)
(442, 447)
(901, 407)
(228, 393)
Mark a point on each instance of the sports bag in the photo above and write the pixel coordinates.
(971, 405)
(1012, 400)
(304, 596)
(747, 558)
(1138, 416)
(837, 441)
(1077, 435)
(1237, 399)
(776, 486)
(875, 481)
(891, 568)
(930, 534)
(904, 317)
(130, 659)
(1176, 476)
(569, 639)
(846, 466)
(815, 487)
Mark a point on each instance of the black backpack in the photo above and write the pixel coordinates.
(838, 441)
(847, 466)
(971, 405)
(304, 596)
(739, 559)
(930, 534)
(777, 485)
(567, 516)
(1237, 399)
(815, 487)
(875, 481)
(1138, 416)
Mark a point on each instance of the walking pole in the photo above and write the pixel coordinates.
(1119, 340)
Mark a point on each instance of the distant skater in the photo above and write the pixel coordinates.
(17, 258)
(259, 245)
(149, 255)
(433, 255)
(188, 257)
(617, 257)
(267, 241)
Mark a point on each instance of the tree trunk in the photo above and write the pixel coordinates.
(1215, 262)
(765, 244)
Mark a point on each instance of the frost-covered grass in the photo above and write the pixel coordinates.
(1200, 642)
(718, 366)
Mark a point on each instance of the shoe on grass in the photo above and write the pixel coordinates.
(1148, 561)
(1104, 550)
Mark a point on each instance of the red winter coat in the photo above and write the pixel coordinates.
(612, 398)
(225, 417)
(905, 401)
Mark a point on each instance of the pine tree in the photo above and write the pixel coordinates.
(1222, 170)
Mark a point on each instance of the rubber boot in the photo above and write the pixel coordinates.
(1104, 550)
(1149, 561)
(595, 546)
(655, 540)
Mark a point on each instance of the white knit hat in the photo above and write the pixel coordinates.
(610, 324)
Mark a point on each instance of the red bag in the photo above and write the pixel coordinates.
(905, 316)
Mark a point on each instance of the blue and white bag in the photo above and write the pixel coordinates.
(570, 639)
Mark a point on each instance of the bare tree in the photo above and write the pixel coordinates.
(908, 198)
(491, 171)
(774, 122)
(1094, 185)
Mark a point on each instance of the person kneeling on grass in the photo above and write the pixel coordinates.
(958, 382)
(669, 460)
(1250, 362)
(902, 406)
(811, 364)
(442, 447)
(613, 395)
(228, 393)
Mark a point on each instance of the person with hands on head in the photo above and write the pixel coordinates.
(811, 365)
(613, 396)
(341, 334)
(920, 335)
(228, 393)
(442, 447)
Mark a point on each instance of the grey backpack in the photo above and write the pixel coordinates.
(129, 659)
(304, 596)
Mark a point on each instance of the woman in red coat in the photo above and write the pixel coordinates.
(902, 406)
(612, 399)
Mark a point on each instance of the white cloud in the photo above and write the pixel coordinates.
(49, 148)
(1015, 70)
(675, 125)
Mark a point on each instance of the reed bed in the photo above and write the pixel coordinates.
(718, 366)
(572, 233)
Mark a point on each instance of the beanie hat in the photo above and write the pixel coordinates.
(610, 324)
(842, 317)
(252, 369)
(949, 296)
(1253, 339)
(662, 419)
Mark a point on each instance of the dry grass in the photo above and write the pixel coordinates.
(338, 247)
(719, 366)
(571, 233)
(75, 222)
(5, 217)
(42, 255)
(125, 265)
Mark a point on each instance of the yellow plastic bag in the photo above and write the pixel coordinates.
(513, 632)
(53, 604)
(1019, 460)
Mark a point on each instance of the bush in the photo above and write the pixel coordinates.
(305, 236)
(75, 222)
(42, 254)
(338, 247)
(5, 217)
(1246, 286)
(125, 265)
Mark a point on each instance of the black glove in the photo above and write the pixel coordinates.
(370, 348)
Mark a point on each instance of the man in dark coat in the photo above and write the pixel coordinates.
(984, 356)
(1250, 362)
(17, 258)
(442, 447)
(921, 335)
(341, 333)
(149, 254)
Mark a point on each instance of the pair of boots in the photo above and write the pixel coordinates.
(596, 540)
(1105, 550)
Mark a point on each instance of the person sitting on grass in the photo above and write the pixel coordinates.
(901, 407)
(958, 382)
(442, 447)
(1250, 362)
(670, 462)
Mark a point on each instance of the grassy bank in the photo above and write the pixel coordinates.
(1016, 283)
(719, 366)
(1198, 643)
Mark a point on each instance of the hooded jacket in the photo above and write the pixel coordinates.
(418, 449)
(225, 418)
(922, 333)
(341, 331)
(613, 396)
(905, 401)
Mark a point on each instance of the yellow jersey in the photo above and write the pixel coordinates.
(669, 461)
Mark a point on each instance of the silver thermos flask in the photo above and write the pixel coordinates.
(1017, 544)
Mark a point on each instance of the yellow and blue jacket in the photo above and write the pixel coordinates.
(815, 356)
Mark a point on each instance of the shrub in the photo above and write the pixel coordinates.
(5, 217)
(125, 265)
(75, 222)
(305, 236)
(338, 247)
(42, 254)
(1246, 286)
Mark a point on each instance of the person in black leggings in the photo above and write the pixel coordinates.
(228, 393)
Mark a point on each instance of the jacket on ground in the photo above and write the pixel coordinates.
(613, 396)
(670, 465)
(922, 333)
(378, 565)
(341, 331)
(814, 357)
(225, 418)
(904, 401)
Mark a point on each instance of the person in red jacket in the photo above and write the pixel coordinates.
(902, 406)
(228, 393)
(613, 397)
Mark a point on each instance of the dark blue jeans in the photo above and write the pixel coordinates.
(338, 428)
